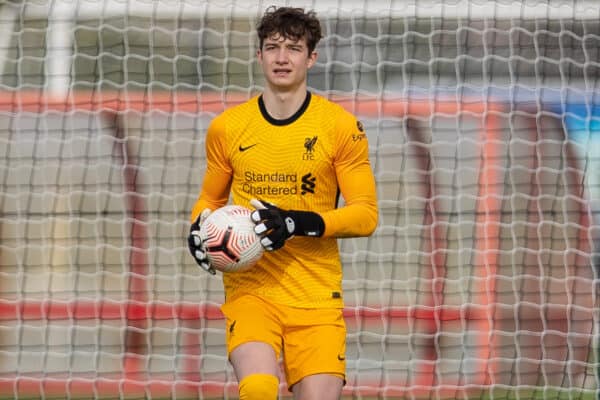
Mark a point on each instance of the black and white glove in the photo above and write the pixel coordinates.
(275, 225)
(197, 246)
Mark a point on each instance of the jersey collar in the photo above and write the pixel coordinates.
(286, 121)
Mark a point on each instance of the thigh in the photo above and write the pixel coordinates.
(254, 358)
(314, 343)
(319, 386)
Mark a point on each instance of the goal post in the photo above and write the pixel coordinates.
(483, 120)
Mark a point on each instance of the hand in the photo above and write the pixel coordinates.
(272, 224)
(275, 225)
(197, 246)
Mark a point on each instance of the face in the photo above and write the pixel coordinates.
(285, 62)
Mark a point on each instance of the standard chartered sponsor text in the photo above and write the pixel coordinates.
(272, 184)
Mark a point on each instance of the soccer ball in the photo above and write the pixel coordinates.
(232, 245)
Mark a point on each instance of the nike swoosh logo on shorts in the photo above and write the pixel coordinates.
(242, 148)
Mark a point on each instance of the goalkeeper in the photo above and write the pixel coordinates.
(288, 154)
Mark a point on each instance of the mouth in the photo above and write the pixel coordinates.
(281, 71)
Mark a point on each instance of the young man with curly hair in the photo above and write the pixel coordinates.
(289, 154)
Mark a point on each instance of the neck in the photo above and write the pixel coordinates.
(283, 104)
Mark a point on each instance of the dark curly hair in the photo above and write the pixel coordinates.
(291, 23)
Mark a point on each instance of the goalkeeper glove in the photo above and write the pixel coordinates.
(196, 244)
(275, 225)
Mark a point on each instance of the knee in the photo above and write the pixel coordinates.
(259, 387)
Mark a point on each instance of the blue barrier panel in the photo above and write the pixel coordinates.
(582, 123)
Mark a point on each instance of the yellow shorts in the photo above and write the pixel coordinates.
(312, 341)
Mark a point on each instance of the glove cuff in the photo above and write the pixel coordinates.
(307, 223)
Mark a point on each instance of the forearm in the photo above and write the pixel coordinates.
(359, 215)
(351, 220)
(203, 203)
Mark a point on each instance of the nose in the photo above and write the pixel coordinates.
(281, 56)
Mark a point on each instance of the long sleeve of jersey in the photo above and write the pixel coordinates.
(359, 215)
(217, 178)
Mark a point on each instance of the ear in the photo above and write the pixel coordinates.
(312, 59)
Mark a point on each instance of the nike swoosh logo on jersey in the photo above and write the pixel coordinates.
(242, 148)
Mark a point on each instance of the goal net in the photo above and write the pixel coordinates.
(483, 120)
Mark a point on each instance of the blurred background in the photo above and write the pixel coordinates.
(483, 120)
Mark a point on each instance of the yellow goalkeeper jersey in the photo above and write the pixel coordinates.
(301, 163)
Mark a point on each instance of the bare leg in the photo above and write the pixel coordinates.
(318, 387)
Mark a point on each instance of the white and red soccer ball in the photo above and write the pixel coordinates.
(232, 245)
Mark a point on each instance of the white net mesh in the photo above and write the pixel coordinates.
(484, 127)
